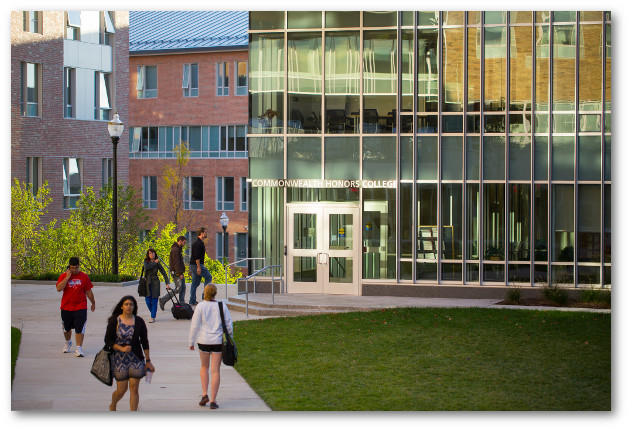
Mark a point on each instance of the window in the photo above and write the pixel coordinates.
(32, 21)
(107, 169)
(225, 193)
(241, 249)
(149, 192)
(145, 139)
(34, 173)
(106, 29)
(190, 82)
(232, 139)
(243, 194)
(193, 192)
(72, 181)
(221, 247)
(146, 85)
(73, 25)
(223, 73)
(192, 136)
(102, 96)
(31, 89)
(69, 92)
(241, 78)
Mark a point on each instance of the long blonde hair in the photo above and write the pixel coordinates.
(209, 292)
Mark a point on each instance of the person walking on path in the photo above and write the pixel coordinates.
(206, 328)
(151, 267)
(178, 268)
(76, 286)
(197, 269)
(127, 337)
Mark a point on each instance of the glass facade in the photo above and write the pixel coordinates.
(477, 145)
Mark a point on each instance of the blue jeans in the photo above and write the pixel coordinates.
(196, 280)
(152, 304)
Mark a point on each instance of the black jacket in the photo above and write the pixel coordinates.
(153, 282)
(139, 341)
(176, 260)
(197, 252)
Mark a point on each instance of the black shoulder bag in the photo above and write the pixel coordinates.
(230, 354)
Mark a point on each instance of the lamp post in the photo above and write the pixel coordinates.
(115, 128)
(224, 220)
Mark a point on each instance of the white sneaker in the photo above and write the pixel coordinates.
(66, 346)
(79, 352)
(151, 320)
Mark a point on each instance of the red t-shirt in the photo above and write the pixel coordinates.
(74, 297)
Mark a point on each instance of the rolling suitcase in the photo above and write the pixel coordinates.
(180, 311)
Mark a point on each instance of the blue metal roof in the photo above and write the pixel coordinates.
(154, 31)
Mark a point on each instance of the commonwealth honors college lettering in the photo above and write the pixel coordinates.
(322, 183)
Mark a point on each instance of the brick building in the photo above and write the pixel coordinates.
(69, 75)
(188, 83)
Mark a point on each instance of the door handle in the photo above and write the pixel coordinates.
(322, 258)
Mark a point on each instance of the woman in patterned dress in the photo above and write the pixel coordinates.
(126, 336)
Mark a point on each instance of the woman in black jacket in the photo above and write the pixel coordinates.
(151, 267)
(126, 336)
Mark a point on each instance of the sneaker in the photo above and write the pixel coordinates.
(79, 352)
(151, 320)
(67, 346)
(161, 304)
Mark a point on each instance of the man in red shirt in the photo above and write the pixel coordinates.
(76, 286)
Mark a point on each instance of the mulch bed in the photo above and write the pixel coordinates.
(545, 302)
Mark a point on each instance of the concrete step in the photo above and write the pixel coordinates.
(238, 303)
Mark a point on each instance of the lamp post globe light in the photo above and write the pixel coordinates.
(115, 128)
(224, 220)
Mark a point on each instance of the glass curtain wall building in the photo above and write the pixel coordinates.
(440, 148)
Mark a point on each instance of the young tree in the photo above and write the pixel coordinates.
(26, 212)
(172, 188)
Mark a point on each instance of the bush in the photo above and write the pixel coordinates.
(51, 276)
(558, 295)
(596, 295)
(514, 295)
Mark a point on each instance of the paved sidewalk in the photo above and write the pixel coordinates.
(43, 372)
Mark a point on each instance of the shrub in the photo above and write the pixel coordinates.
(556, 294)
(514, 295)
(596, 295)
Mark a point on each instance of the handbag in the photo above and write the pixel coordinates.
(102, 366)
(142, 284)
(228, 347)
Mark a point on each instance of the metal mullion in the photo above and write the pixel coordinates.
(549, 147)
(482, 89)
(439, 146)
(603, 156)
(414, 149)
(360, 265)
(464, 171)
(506, 191)
(397, 119)
(323, 101)
(576, 121)
(532, 156)
(283, 212)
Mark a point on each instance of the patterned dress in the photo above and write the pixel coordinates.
(126, 364)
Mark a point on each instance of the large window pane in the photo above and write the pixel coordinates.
(452, 230)
(406, 220)
(304, 82)
(266, 72)
(541, 158)
(520, 156)
(518, 222)
(563, 67)
(590, 85)
(589, 158)
(303, 19)
(407, 71)
(406, 158)
(379, 158)
(427, 221)
(342, 79)
(472, 158)
(540, 221)
(474, 69)
(341, 158)
(542, 67)
(453, 66)
(379, 233)
(494, 221)
(494, 158)
(562, 158)
(427, 157)
(607, 223)
(495, 51)
(262, 20)
(562, 223)
(472, 221)
(379, 62)
(266, 157)
(427, 70)
(452, 158)
(589, 208)
(337, 19)
(304, 158)
(520, 68)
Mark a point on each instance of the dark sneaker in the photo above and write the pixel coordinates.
(161, 304)
(213, 405)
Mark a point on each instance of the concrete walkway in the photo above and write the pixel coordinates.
(43, 372)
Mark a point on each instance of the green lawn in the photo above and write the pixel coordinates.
(430, 359)
(16, 337)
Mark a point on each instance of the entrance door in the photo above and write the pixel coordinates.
(323, 249)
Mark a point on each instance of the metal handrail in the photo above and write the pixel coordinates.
(256, 273)
(236, 262)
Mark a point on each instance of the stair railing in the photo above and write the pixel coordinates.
(232, 264)
(274, 269)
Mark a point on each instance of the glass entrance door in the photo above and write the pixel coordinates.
(322, 251)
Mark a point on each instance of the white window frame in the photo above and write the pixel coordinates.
(149, 190)
(69, 92)
(34, 174)
(187, 80)
(107, 29)
(223, 78)
(32, 21)
(141, 84)
(34, 78)
(103, 96)
(222, 203)
(70, 199)
(240, 89)
(189, 203)
(243, 195)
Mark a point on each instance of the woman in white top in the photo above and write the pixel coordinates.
(207, 330)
